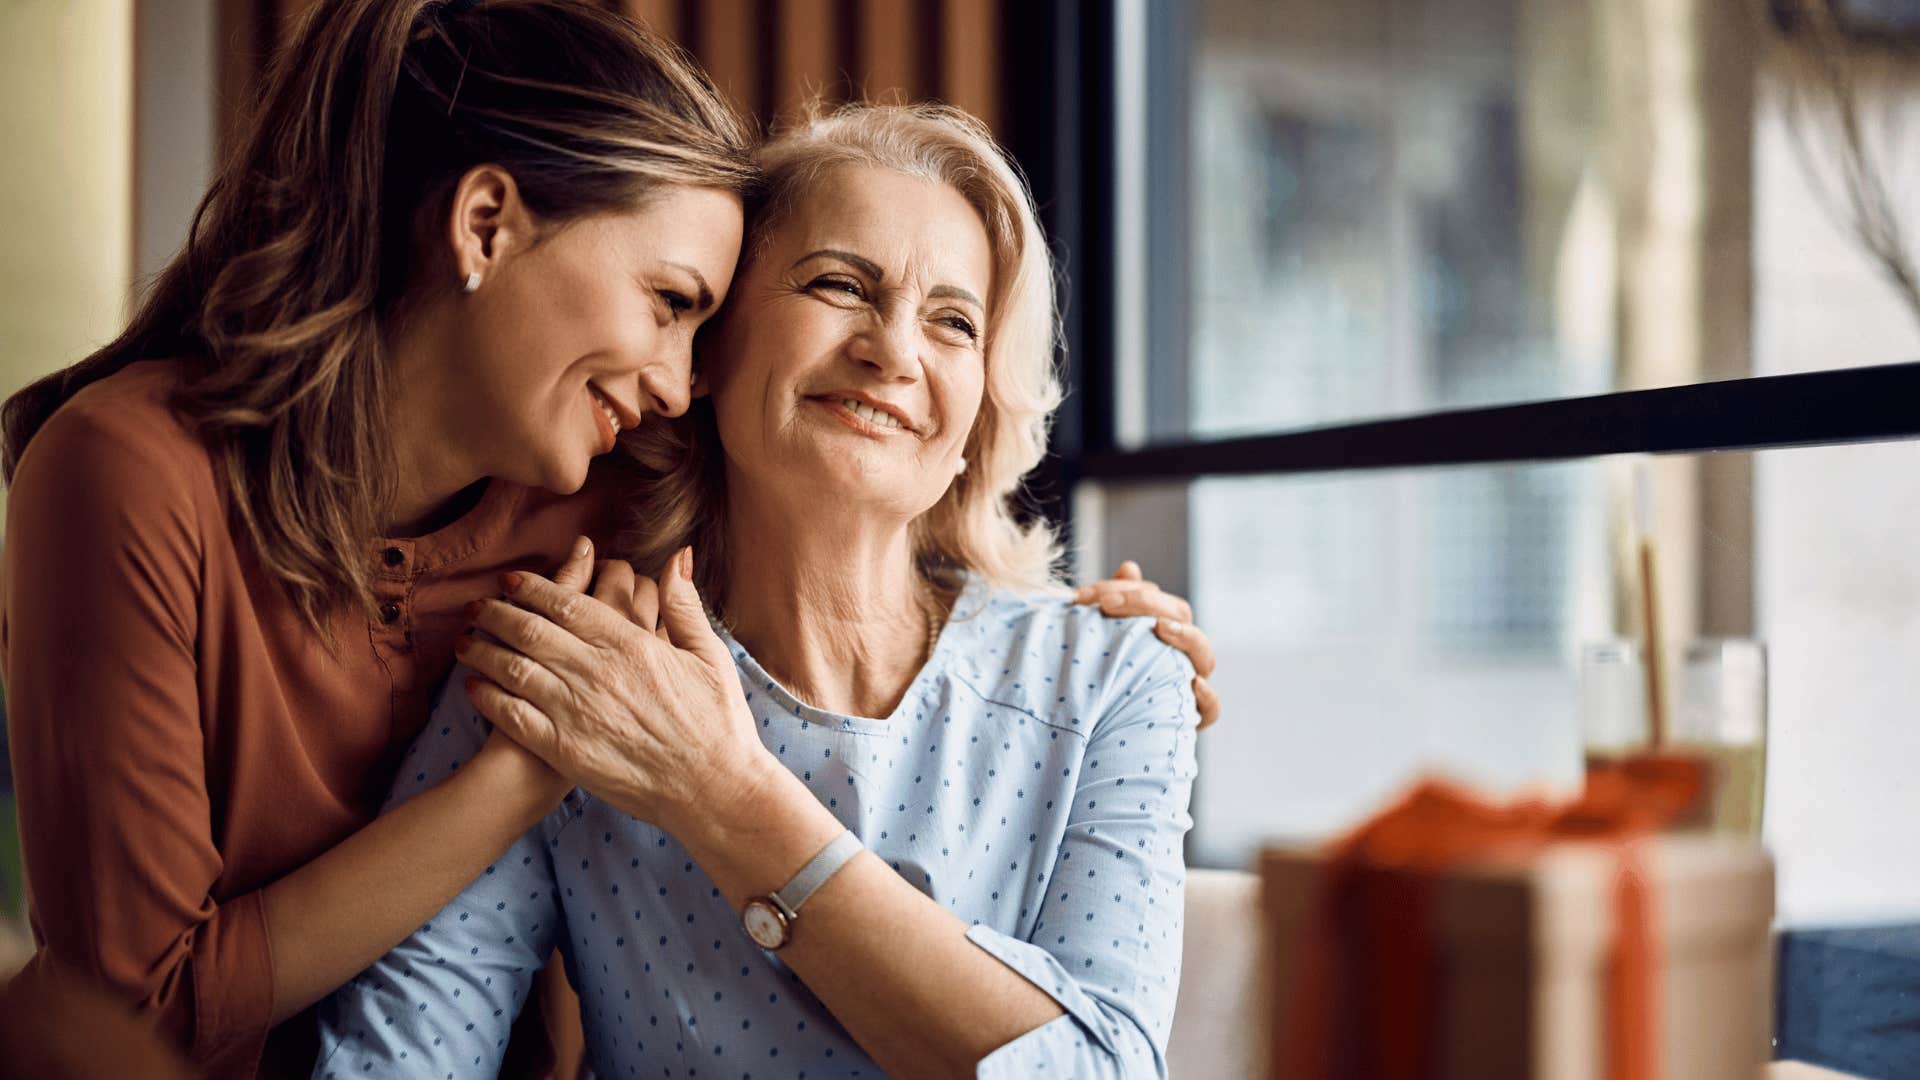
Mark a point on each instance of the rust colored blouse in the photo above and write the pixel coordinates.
(180, 738)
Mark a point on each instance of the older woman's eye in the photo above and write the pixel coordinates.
(961, 324)
(836, 284)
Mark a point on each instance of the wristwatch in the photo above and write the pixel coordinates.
(769, 919)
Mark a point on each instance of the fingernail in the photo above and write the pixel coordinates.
(1173, 626)
(471, 684)
(582, 548)
(686, 563)
(461, 644)
(472, 610)
(510, 581)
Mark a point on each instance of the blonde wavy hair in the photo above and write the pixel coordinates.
(679, 482)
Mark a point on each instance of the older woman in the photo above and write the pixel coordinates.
(928, 820)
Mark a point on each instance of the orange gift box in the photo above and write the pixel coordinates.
(1452, 938)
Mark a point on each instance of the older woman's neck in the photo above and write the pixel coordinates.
(836, 612)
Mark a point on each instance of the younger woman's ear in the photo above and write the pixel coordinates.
(488, 220)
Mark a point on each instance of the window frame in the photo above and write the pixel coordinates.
(1061, 53)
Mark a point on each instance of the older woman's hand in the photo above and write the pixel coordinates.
(649, 719)
(1128, 593)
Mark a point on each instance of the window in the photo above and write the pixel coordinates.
(1372, 305)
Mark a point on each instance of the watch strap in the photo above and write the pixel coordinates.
(815, 874)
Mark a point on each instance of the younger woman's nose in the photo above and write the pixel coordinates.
(666, 383)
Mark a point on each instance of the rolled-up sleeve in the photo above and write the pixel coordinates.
(1106, 945)
(442, 1002)
(102, 579)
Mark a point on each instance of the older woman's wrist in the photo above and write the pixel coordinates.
(754, 831)
(727, 797)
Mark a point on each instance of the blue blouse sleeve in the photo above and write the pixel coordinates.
(1106, 945)
(442, 1002)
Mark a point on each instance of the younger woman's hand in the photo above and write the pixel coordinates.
(528, 771)
(650, 719)
(1128, 593)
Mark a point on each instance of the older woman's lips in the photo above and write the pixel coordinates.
(861, 416)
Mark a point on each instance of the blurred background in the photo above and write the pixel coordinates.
(1279, 215)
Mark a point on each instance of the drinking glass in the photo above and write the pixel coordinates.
(1721, 715)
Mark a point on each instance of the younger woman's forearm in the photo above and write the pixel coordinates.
(330, 919)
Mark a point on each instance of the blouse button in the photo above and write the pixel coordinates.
(394, 556)
(389, 613)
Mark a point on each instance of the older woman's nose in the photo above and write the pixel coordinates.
(889, 347)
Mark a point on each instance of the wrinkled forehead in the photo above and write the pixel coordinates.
(903, 223)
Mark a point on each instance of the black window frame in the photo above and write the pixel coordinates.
(1060, 61)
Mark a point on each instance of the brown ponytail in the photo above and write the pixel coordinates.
(305, 242)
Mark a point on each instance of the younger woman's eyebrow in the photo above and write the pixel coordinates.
(705, 299)
(858, 262)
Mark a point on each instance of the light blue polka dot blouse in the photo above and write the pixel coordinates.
(1034, 779)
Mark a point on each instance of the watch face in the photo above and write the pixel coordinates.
(764, 924)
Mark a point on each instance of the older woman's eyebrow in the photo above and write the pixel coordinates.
(872, 269)
(954, 292)
(705, 299)
(858, 262)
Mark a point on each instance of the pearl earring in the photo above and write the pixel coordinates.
(472, 284)
(961, 470)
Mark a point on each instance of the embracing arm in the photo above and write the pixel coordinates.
(1128, 593)
(443, 1001)
(331, 918)
(103, 581)
(339, 913)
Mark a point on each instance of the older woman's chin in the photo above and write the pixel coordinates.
(839, 478)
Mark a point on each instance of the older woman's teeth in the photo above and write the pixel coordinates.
(870, 414)
(612, 417)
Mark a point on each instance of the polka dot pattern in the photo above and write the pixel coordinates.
(1034, 779)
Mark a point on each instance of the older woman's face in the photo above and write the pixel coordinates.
(853, 364)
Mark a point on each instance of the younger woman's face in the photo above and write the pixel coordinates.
(586, 331)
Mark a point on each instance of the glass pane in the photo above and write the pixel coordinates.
(1398, 206)
(1385, 624)
(1388, 623)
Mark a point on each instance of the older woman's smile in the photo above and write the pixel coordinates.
(865, 413)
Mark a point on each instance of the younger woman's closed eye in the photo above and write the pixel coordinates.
(677, 303)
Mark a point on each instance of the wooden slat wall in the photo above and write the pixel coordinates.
(772, 55)
(767, 55)
(969, 42)
(806, 42)
(660, 16)
(889, 32)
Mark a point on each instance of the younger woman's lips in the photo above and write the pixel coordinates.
(608, 438)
